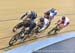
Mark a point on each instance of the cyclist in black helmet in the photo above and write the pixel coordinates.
(32, 15)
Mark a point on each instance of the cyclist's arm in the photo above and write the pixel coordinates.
(42, 28)
(44, 25)
(58, 22)
(66, 24)
(23, 16)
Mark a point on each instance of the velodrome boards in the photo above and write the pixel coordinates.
(41, 44)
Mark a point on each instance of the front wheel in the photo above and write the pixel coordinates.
(12, 41)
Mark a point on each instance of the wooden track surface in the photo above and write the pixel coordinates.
(13, 9)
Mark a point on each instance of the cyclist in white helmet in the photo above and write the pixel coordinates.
(43, 25)
(61, 23)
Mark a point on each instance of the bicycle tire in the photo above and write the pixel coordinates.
(13, 40)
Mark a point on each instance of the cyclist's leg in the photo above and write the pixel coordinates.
(55, 29)
(52, 30)
(18, 26)
(31, 27)
(28, 32)
(38, 27)
(59, 27)
(23, 30)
